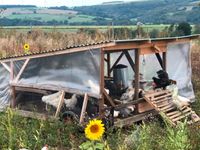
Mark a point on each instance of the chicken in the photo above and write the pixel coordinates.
(54, 99)
(163, 80)
(45, 147)
(71, 103)
(129, 95)
(178, 100)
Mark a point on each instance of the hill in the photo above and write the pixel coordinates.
(120, 13)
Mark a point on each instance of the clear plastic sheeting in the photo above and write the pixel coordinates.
(4, 88)
(79, 71)
(179, 68)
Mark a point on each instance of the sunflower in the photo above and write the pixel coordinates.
(26, 47)
(94, 130)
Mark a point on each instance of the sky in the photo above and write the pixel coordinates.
(47, 3)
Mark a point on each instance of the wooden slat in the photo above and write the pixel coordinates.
(61, 101)
(158, 93)
(54, 88)
(180, 113)
(108, 98)
(116, 62)
(169, 109)
(130, 60)
(164, 105)
(21, 70)
(161, 97)
(181, 117)
(6, 66)
(85, 101)
(163, 100)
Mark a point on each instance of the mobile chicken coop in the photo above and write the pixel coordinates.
(100, 74)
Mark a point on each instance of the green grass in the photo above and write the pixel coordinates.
(50, 17)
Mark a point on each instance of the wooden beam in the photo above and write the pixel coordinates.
(32, 90)
(21, 70)
(85, 101)
(61, 101)
(116, 62)
(137, 72)
(159, 60)
(6, 66)
(101, 100)
(130, 60)
(13, 92)
(34, 115)
(164, 56)
(54, 88)
(135, 118)
(109, 98)
(108, 64)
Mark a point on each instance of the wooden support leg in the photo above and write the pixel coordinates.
(137, 74)
(85, 101)
(164, 61)
(61, 101)
(108, 64)
(101, 100)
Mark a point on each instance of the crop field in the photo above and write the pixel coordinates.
(146, 28)
(17, 132)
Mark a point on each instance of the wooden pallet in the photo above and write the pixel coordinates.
(162, 102)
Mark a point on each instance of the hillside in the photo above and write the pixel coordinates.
(147, 11)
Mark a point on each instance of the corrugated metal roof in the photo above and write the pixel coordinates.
(55, 50)
(99, 43)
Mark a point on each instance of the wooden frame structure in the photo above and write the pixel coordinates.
(140, 46)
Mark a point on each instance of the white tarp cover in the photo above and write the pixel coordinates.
(78, 71)
(4, 88)
(178, 67)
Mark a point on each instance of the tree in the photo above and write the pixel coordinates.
(197, 29)
(184, 28)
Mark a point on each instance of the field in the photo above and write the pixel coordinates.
(146, 28)
(17, 132)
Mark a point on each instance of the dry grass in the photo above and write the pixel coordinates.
(11, 42)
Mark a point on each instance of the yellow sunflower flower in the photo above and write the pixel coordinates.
(26, 47)
(94, 130)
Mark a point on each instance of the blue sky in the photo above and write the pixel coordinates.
(68, 3)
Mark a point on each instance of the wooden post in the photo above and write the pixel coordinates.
(61, 101)
(85, 101)
(13, 92)
(101, 100)
(137, 72)
(108, 64)
(164, 55)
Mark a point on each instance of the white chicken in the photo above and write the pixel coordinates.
(71, 103)
(178, 100)
(54, 99)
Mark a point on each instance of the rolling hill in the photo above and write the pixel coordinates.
(120, 13)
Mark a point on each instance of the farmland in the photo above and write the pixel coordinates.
(18, 132)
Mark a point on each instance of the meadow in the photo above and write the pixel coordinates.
(17, 132)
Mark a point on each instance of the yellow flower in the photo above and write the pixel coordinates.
(94, 130)
(26, 47)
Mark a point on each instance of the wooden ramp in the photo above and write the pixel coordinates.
(163, 103)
